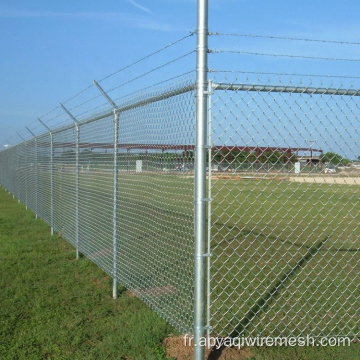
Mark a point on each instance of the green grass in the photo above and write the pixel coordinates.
(284, 261)
(351, 352)
(285, 258)
(55, 307)
(260, 231)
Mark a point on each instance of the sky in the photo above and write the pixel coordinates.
(51, 50)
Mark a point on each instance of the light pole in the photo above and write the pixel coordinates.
(311, 143)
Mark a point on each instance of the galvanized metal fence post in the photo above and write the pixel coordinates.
(209, 213)
(18, 148)
(77, 139)
(52, 183)
(77, 169)
(115, 186)
(200, 178)
(116, 140)
(13, 178)
(36, 173)
(36, 180)
(25, 166)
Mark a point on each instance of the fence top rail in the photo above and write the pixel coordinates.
(129, 146)
(146, 101)
(137, 104)
(285, 89)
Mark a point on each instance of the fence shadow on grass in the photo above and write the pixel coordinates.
(264, 302)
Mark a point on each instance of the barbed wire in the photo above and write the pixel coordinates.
(50, 121)
(155, 85)
(240, 52)
(60, 122)
(85, 102)
(92, 110)
(341, 42)
(50, 111)
(57, 116)
(147, 56)
(33, 127)
(79, 93)
(116, 72)
(81, 115)
(130, 81)
(153, 70)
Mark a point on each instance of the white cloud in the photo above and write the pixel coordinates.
(143, 8)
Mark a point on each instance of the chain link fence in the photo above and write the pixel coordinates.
(282, 203)
(283, 238)
(124, 201)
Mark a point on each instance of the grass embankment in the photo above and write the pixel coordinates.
(55, 307)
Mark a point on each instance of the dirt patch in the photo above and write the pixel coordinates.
(130, 294)
(326, 180)
(176, 349)
(340, 179)
(249, 177)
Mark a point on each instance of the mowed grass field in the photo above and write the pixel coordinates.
(284, 260)
(300, 239)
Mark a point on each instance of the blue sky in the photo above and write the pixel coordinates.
(50, 50)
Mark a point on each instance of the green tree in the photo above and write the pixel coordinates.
(335, 159)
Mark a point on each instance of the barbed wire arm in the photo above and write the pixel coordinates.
(106, 96)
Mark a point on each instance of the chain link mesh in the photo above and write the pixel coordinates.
(67, 178)
(64, 169)
(283, 220)
(155, 204)
(284, 217)
(95, 192)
